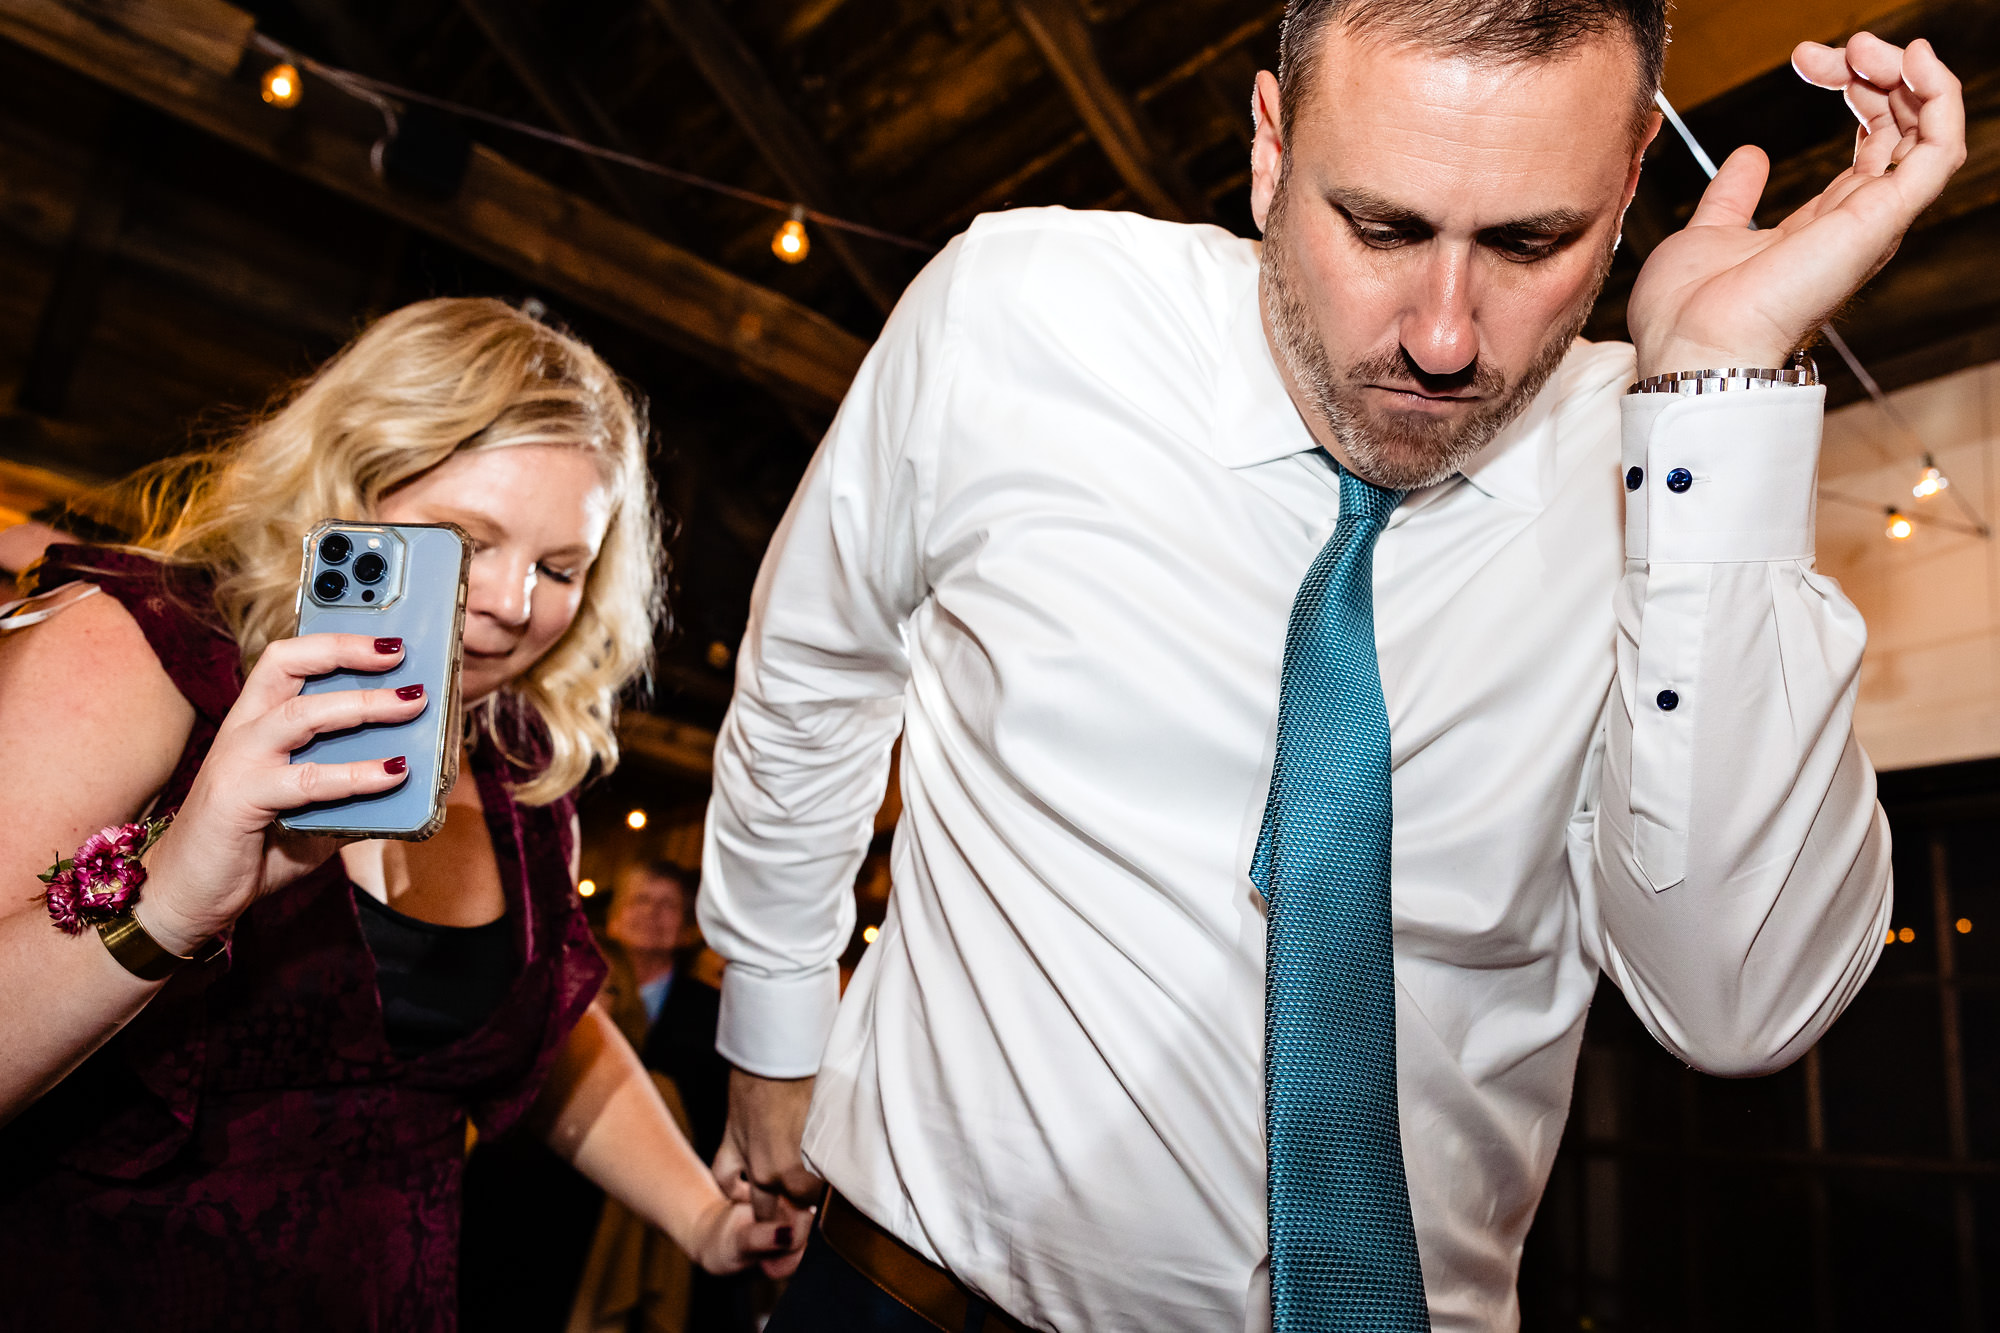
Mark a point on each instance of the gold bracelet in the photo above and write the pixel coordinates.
(142, 955)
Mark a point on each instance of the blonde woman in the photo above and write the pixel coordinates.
(273, 1135)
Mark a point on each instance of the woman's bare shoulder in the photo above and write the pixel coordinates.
(83, 688)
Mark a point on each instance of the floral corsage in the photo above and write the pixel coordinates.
(103, 879)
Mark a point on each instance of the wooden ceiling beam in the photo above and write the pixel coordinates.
(69, 311)
(1722, 44)
(793, 152)
(1060, 31)
(519, 41)
(659, 743)
(502, 213)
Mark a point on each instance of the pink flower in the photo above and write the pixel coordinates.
(63, 905)
(107, 870)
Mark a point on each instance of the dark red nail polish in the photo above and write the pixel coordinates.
(784, 1238)
(397, 765)
(388, 646)
(410, 691)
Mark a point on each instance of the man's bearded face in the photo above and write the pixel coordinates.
(1404, 449)
(1435, 234)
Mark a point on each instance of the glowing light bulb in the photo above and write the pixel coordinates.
(586, 887)
(1930, 483)
(1906, 935)
(1964, 925)
(281, 86)
(869, 934)
(636, 820)
(1892, 936)
(1898, 528)
(791, 244)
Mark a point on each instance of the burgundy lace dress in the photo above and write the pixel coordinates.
(250, 1152)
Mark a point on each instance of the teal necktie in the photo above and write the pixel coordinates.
(1343, 1250)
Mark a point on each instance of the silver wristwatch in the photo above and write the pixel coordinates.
(1802, 373)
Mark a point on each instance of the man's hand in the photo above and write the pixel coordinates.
(759, 1161)
(1719, 294)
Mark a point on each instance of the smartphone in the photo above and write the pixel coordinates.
(388, 581)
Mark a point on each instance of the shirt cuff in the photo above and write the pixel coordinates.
(1722, 478)
(776, 1027)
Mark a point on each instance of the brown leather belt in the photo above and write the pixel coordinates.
(910, 1279)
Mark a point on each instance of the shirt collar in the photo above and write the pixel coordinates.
(1257, 422)
(1522, 465)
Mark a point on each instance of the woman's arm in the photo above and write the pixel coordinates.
(90, 728)
(600, 1112)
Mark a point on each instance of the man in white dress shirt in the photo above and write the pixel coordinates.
(1052, 540)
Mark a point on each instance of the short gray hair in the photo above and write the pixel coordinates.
(1500, 31)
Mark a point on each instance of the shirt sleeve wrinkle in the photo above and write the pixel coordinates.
(803, 753)
(1739, 874)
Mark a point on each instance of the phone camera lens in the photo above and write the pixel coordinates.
(369, 568)
(330, 585)
(333, 547)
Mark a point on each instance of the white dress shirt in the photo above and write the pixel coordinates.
(1053, 539)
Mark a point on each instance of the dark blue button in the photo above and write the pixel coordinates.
(1679, 480)
(1634, 477)
(1668, 701)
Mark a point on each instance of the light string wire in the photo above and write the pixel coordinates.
(381, 95)
(1839, 345)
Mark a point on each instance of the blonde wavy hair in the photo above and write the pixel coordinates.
(414, 388)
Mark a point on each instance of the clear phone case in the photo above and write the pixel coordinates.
(404, 581)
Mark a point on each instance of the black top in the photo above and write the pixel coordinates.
(438, 983)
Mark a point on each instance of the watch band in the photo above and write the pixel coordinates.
(1802, 373)
(142, 955)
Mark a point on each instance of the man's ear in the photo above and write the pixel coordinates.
(1267, 150)
(1653, 123)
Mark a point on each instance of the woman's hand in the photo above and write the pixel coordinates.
(222, 852)
(728, 1238)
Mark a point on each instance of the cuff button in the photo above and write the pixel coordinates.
(1634, 477)
(1668, 701)
(1679, 480)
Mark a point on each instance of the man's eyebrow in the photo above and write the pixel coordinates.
(1372, 207)
(1555, 222)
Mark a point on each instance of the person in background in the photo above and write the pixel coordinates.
(244, 1099)
(661, 989)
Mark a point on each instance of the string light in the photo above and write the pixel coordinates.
(791, 244)
(1907, 935)
(869, 934)
(636, 820)
(1964, 925)
(586, 887)
(1899, 528)
(1892, 936)
(1931, 482)
(282, 86)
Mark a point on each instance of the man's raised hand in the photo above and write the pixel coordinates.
(1720, 294)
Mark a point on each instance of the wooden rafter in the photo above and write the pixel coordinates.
(517, 38)
(674, 746)
(801, 162)
(502, 213)
(1061, 33)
